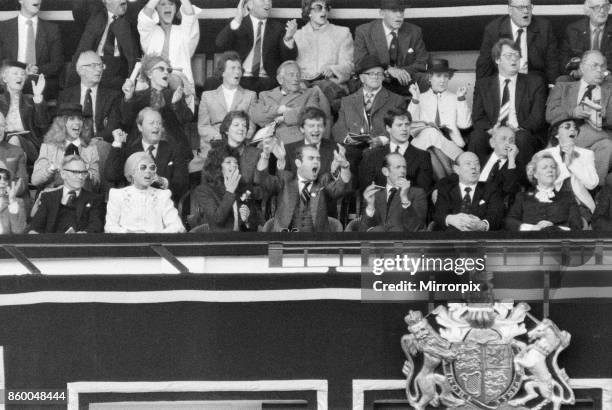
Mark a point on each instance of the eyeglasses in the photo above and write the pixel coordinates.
(375, 75)
(597, 66)
(318, 8)
(77, 172)
(5, 177)
(511, 56)
(95, 66)
(151, 167)
(163, 69)
(601, 7)
(523, 8)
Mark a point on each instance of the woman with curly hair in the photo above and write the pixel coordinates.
(69, 134)
(544, 208)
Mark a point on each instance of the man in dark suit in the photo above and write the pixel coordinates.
(397, 44)
(262, 43)
(591, 33)
(419, 171)
(533, 36)
(43, 52)
(303, 198)
(171, 165)
(464, 203)
(508, 98)
(70, 208)
(501, 169)
(397, 206)
(110, 34)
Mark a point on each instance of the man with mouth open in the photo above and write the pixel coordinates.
(533, 36)
(35, 42)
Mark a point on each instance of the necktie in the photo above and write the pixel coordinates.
(257, 52)
(30, 55)
(392, 193)
(494, 170)
(71, 198)
(150, 149)
(109, 44)
(166, 46)
(518, 40)
(71, 149)
(87, 104)
(596, 38)
(467, 201)
(589, 92)
(505, 98)
(397, 151)
(305, 196)
(393, 49)
(438, 123)
(369, 101)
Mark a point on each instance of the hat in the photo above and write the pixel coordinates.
(70, 109)
(367, 62)
(392, 5)
(439, 65)
(554, 127)
(13, 63)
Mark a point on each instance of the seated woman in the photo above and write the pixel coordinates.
(223, 200)
(140, 208)
(158, 94)
(441, 114)
(576, 165)
(544, 208)
(66, 136)
(12, 210)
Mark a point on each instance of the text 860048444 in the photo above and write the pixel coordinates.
(33, 396)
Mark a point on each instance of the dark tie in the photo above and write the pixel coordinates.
(166, 47)
(589, 92)
(109, 44)
(438, 122)
(150, 149)
(30, 54)
(71, 149)
(596, 39)
(257, 52)
(87, 104)
(494, 170)
(392, 193)
(397, 150)
(70, 199)
(305, 196)
(467, 201)
(393, 49)
(518, 41)
(505, 98)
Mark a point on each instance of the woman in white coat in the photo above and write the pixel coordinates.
(140, 208)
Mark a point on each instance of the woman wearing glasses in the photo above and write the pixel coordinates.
(158, 90)
(66, 136)
(12, 210)
(140, 208)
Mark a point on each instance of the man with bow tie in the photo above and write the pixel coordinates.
(588, 99)
(69, 208)
(465, 203)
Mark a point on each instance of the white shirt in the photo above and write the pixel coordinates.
(23, 35)
(76, 143)
(228, 95)
(494, 158)
(402, 147)
(523, 62)
(462, 189)
(100, 50)
(512, 89)
(388, 35)
(301, 183)
(146, 146)
(65, 194)
(596, 93)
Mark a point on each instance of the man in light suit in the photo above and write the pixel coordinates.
(567, 100)
(534, 38)
(397, 44)
(47, 54)
(399, 206)
(262, 43)
(285, 103)
(508, 98)
(215, 104)
(303, 198)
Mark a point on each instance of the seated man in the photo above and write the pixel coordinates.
(69, 208)
(171, 165)
(501, 169)
(418, 162)
(508, 98)
(390, 211)
(467, 204)
(12, 209)
(587, 99)
(285, 103)
(303, 198)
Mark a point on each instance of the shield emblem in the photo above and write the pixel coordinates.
(483, 373)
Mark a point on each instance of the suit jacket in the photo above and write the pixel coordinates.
(418, 167)
(326, 151)
(88, 212)
(561, 211)
(352, 116)
(563, 98)
(577, 40)
(397, 219)
(265, 111)
(217, 209)
(48, 45)
(285, 185)
(504, 181)
(106, 115)
(213, 109)
(170, 165)
(13, 223)
(602, 217)
(541, 48)
(530, 99)
(370, 39)
(274, 50)
(486, 204)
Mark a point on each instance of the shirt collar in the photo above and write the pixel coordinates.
(584, 84)
(372, 92)
(462, 187)
(403, 147)
(514, 27)
(256, 21)
(93, 89)
(22, 19)
(512, 79)
(76, 142)
(387, 30)
(146, 145)
(65, 191)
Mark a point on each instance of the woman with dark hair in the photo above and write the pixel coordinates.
(67, 135)
(223, 200)
(12, 210)
(577, 173)
(544, 208)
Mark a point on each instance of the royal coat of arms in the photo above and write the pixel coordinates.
(475, 361)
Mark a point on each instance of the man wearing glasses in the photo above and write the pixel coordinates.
(533, 36)
(69, 208)
(590, 33)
